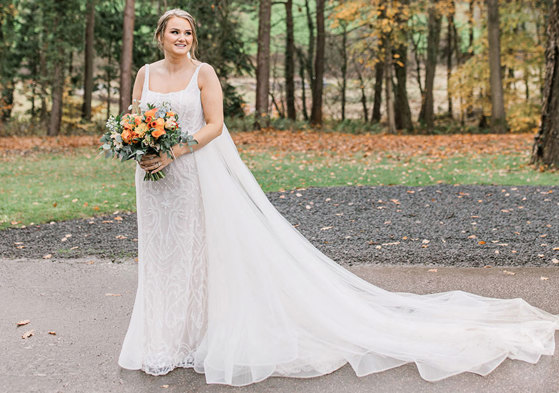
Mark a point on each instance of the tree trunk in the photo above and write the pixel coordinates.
(126, 56)
(88, 61)
(377, 100)
(498, 119)
(546, 145)
(316, 110)
(363, 93)
(302, 67)
(402, 110)
(43, 82)
(402, 106)
(55, 118)
(449, 49)
(388, 86)
(290, 61)
(263, 62)
(344, 68)
(427, 113)
(310, 55)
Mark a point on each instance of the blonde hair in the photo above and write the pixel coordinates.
(162, 25)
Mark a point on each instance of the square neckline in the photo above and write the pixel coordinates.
(194, 74)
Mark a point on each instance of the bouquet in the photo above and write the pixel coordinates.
(133, 135)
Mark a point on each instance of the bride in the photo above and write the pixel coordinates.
(228, 287)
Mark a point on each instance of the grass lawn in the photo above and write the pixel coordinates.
(51, 187)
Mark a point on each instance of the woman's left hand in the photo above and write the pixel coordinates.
(154, 163)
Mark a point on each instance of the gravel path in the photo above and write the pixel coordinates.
(434, 225)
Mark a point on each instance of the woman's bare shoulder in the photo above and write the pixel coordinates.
(206, 75)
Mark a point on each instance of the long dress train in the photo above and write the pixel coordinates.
(227, 286)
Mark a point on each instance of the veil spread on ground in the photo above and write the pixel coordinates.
(277, 306)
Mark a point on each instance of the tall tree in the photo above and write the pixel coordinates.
(498, 117)
(289, 61)
(55, 118)
(450, 40)
(377, 99)
(546, 145)
(126, 56)
(263, 61)
(388, 85)
(402, 112)
(88, 61)
(316, 110)
(344, 66)
(427, 113)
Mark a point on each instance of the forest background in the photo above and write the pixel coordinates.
(299, 76)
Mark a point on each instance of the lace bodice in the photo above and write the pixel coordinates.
(186, 102)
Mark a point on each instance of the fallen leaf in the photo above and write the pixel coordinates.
(164, 386)
(509, 273)
(24, 322)
(432, 270)
(48, 256)
(121, 237)
(325, 228)
(555, 261)
(52, 332)
(113, 294)
(118, 218)
(28, 333)
(543, 278)
(481, 242)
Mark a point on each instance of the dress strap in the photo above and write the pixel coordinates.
(146, 78)
(195, 76)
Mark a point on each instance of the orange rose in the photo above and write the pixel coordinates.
(126, 135)
(137, 120)
(160, 123)
(158, 132)
(150, 113)
(171, 114)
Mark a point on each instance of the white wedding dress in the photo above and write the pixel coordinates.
(227, 286)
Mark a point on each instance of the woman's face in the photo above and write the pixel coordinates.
(177, 37)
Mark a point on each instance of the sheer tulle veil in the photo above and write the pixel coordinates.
(278, 306)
